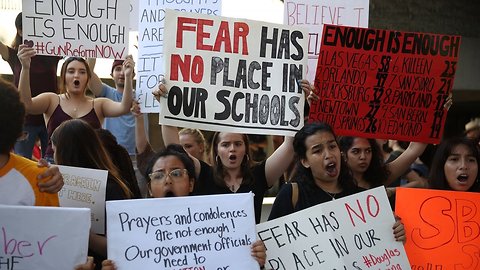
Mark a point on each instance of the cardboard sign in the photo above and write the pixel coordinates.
(353, 232)
(95, 29)
(151, 24)
(314, 14)
(233, 75)
(443, 228)
(384, 84)
(37, 237)
(198, 232)
(85, 188)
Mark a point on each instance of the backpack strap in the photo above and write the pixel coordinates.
(294, 194)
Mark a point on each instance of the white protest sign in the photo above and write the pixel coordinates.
(97, 29)
(85, 188)
(314, 14)
(198, 232)
(133, 15)
(354, 232)
(34, 237)
(233, 75)
(151, 22)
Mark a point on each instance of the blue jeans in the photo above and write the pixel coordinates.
(25, 147)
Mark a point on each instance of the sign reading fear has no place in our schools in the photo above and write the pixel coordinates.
(234, 75)
(196, 232)
(442, 228)
(35, 237)
(95, 29)
(151, 25)
(383, 83)
(353, 232)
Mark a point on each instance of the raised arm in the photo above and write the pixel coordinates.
(279, 161)
(4, 51)
(113, 109)
(95, 84)
(401, 164)
(40, 103)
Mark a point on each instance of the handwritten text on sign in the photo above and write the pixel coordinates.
(439, 224)
(43, 237)
(314, 14)
(198, 232)
(233, 75)
(354, 232)
(151, 21)
(85, 188)
(384, 84)
(97, 29)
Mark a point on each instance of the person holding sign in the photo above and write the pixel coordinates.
(171, 173)
(19, 177)
(76, 144)
(43, 73)
(73, 102)
(320, 175)
(122, 127)
(455, 166)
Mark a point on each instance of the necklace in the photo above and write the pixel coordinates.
(331, 195)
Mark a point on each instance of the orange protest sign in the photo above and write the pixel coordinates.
(442, 227)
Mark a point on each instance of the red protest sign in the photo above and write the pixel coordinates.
(384, 84)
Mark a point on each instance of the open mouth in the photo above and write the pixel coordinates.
(76, 82)
(331, 169)
(232, 157)
(462, 178)
(169, 194)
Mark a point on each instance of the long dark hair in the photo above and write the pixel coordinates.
(218, 171)
(78, 145)
(18, 39)
(376, 173)
(121, 160)
(437, 178)
(302, 174)
(63, 71)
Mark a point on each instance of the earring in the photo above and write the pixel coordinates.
(217, 159)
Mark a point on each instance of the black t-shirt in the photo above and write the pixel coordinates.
(308, 196)
(205, 185)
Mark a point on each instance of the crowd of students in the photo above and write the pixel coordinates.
(325, 167)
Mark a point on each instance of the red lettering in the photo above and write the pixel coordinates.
(223, 37)
(182, 27)
(190, 71)
(468, 229)
(201, 35)
(434, 214)
(241, 31)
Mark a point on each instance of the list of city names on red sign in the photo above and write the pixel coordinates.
(384, 84)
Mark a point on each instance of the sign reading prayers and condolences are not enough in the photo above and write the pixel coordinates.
(95, 29)
(151, 25)
(442, 228)
(234, 75)
(85, 188)
(35, 237)
(383, 83)
(353, 232)
(198, 232)
(314, 14)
